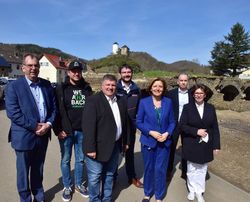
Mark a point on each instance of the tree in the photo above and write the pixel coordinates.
(232, 53)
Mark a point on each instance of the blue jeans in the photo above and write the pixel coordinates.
(66, 145)
(101, 171)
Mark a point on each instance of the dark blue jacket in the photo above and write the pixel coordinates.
(133, 98)
(146, 120)
(23, 113)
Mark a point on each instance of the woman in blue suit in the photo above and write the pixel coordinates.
(155, 120)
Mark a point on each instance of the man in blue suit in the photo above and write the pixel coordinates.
(31, 107)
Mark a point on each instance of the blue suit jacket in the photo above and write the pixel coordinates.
(146, 120)
(23, 113)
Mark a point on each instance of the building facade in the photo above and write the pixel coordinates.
(53, 68)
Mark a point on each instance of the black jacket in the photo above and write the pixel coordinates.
(99, 126)
(62, 120)
(190, 122)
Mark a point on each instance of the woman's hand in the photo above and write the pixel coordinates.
(155, 134)
(163, 137)
(216, 151)
(202, 132)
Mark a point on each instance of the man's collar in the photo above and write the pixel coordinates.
(182, 91)
(31, 82)
(113, 99)
(125, 85)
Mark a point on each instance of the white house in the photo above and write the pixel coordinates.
(245, 74)
(53, 68)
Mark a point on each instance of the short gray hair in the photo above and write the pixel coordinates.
(183, 73)
(109, 77)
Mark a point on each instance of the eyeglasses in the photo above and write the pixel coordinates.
(199, 93)
(31, 65)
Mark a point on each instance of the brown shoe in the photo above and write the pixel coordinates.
(136, 182)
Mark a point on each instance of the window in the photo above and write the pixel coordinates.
(44, 64)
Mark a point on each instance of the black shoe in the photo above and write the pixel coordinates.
(207, 176)
(114, 184)
(169, 176)
(38, 201)
(184, 176)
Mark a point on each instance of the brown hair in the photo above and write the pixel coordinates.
(126, 67)
(152, 83)
(198, 86)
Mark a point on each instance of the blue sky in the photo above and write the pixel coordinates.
(169, 30)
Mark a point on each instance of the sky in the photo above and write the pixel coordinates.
(168, 30)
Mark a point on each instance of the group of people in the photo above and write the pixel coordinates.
(102, 125)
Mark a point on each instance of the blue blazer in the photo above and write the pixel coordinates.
(23, 113)
(146, 120)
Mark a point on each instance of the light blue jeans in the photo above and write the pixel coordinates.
(66, 145)
(101, 171)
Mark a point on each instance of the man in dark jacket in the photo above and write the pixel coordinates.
(128, 89)
(105, 125)
(71, 97)
(179, 96)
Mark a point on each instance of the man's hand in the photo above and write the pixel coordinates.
(92, 155)
(62, 135)
(42, 128)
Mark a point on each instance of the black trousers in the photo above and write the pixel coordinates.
(175, 137)
(129, 158)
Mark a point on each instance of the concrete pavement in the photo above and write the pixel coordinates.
(217, 189)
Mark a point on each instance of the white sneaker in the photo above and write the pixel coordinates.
(190, 196)
(200, 198)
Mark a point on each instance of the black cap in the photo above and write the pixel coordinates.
(75, 65)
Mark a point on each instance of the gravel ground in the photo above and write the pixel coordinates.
(233, 163)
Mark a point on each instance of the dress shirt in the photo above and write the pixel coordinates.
(125, 87)
(116, 112)
(200, 109)
(183, 99)
(39, 99)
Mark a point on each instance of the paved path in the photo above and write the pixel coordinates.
(217, 189)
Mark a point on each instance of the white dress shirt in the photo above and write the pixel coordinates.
(125, 87)
(200, 109)
(183, 99)
(39, 99)
(116, 112)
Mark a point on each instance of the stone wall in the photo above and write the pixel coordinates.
(226, 93)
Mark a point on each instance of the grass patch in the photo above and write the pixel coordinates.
(155, 73)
